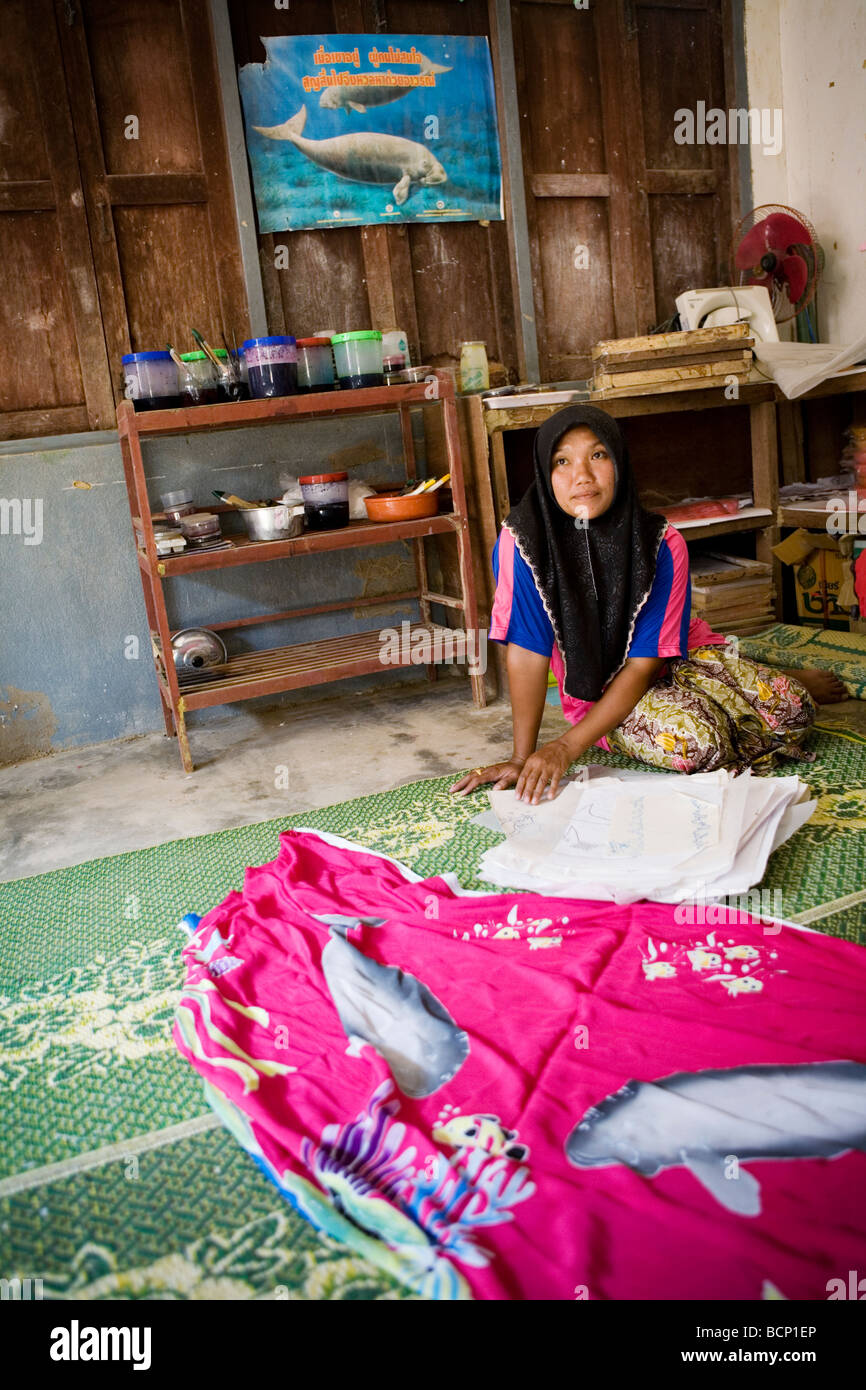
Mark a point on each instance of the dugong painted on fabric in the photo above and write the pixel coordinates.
(396, 1014)
(360, 97)
(702, 1119)
(368, 156)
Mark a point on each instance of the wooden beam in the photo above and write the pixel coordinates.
(570, 185)
(28, 195)
(377, 271)
(29, 424)
(683, 183)
(150, 189)
(513, 190)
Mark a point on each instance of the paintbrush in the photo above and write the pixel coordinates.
(232, 501)
(176, 359)
(221, 367)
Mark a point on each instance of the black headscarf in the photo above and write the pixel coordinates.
(594, 576)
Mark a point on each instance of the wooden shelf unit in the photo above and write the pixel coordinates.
(270, 671)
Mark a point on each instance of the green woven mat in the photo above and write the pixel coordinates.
(99, 1196)
(801, 647)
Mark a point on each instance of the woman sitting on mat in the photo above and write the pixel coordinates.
(594, 586)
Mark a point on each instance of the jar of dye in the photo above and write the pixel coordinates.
(198, 379)
(474, 369)
(326, 500)
(201, 528)
(359, 358)
(315, 365)
(272, 366)
(395, 350)
(150, 380)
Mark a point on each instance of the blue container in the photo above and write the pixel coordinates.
(150, 380)
(272, 366)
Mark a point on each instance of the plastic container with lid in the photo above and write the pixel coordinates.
(315, 365)
(474, 369)
(272, 366)
(326, 500)
(150, 380)
(199, 527)
(177, 504)
(359, 358)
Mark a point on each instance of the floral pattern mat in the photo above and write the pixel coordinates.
(115, 1180)
(798, 648)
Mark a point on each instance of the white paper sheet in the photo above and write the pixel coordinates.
(643, 836)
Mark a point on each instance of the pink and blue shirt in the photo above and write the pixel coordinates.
(663, 626)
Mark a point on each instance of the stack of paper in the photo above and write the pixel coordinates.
(623, 836)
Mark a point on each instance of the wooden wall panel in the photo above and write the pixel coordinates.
(565, 132)
(578, 202)
(686, 198)
(685, 250)
(324, 285)
(39, 366)
(578, 302)
(168, 276)
(22, 146)
(128, 45)
(53, 370)
(676, 71)
(164, 242)
(453, 296)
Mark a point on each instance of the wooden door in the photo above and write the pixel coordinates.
(679, 54)
(621, 218)
(144, 92)
(53, 370)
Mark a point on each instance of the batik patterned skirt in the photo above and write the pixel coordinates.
(718, 709)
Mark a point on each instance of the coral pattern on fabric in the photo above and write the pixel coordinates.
(631, 1118)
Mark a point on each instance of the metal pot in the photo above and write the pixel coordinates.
(196, 647)
(278, 523)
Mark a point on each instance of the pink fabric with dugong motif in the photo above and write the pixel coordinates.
(510, 1096)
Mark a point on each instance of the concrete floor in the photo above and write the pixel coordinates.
(89, 802)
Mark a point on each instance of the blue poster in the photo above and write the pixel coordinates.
(357, 130)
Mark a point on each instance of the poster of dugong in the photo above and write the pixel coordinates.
(355, 130)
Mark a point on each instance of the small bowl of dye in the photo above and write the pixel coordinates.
(391, 506)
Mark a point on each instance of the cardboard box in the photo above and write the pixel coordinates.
(818, 578)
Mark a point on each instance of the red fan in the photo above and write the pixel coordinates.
(778, 247)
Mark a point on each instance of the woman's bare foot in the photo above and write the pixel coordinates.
(823, 686)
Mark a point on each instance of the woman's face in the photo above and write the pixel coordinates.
(582, 474)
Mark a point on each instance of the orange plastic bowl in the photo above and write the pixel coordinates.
(390, 506)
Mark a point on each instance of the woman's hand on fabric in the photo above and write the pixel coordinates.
(545, 768)
(502, 774)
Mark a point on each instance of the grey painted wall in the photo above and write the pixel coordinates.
(68, 603)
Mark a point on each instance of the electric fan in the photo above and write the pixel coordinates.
(777, 247)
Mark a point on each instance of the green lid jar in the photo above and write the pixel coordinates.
(198, 379)
(358, 358)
